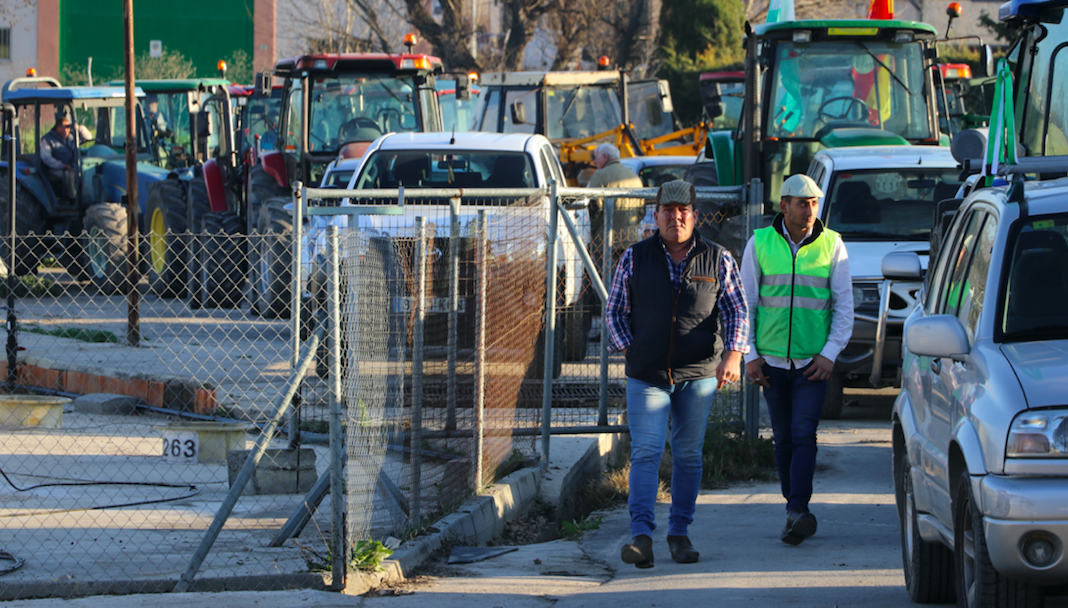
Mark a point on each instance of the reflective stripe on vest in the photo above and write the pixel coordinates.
(793, 316)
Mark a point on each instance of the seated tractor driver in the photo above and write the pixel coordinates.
(59, 153)
(155, 120)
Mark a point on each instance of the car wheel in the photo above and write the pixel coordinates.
(928, 565)
(979, 585)
(832, 404)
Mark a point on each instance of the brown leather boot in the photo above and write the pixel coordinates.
(638, 552)
(682, 550)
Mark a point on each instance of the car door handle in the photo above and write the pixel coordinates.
(936, 366)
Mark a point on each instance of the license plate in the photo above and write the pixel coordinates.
(432, 305)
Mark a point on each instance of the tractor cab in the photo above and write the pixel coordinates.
(181, 134)
(458, 100)
(330, 101)
(829, 84)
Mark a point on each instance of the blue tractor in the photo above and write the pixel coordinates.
(85, 232)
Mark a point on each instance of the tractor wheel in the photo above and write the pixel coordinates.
(166, 224)
(29, 220)
(262, 186)
(273, 272)
(105, 243)
(218, 261)
(71, 256)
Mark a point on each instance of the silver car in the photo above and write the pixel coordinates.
(980, 428)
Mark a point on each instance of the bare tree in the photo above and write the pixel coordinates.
(451, 36)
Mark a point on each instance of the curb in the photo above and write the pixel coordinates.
(477, 521)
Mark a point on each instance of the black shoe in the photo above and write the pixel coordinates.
(682, 550)
(799, 526)
(639, 552)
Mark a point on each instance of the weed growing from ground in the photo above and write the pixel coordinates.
(571, 530)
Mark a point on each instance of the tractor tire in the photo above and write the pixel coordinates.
(274, 257)
(261, 187)
(219, 275)
(29, 220)
(105, 243)
(71, 256)
(167, 227)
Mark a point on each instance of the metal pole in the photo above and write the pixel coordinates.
(480, 344)
(133, 208)
(606, 270)
(417, 368)
(11, 121)
(337, 440)
(754, 211)
(298, 232)
(454, 308)
(550, 324)
(282, 405)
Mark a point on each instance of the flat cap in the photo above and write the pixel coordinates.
(801, 186)
(676, 192)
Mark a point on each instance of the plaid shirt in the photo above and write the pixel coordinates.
(733, 309)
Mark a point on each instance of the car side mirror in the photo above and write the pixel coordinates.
(986, 65)
(463, 87)
(902, 265)
(519, 113)
(937, 336)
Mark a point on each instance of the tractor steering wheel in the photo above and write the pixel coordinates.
(850, 103)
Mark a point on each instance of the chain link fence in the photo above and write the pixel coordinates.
(431, 382)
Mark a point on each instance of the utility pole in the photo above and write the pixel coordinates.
(133, 326)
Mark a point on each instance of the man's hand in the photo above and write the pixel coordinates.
(820, 369)
(755, 370)
(729, 369)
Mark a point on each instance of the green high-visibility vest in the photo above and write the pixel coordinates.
(793, 316)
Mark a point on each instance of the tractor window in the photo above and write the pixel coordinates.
(582, 111)
(263, 122)
(363, 106)
(816, 88)
(491, 115)
(1047, 88)
(293, 123)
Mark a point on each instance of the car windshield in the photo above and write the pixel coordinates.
(462, 169)
(814, 87)
(1036, 302)
(581, 111)
(360, 108)
(887, 204)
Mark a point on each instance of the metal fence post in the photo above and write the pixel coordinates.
(550, 326)
(454, 307)
(754, 211)
(480, 344)
(606, 269)
(299, 197)
(339, 559)
(417, 368)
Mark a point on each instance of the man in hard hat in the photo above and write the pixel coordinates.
(671, 295)
(59, 153)
(800, 295)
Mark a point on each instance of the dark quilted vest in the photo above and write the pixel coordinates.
(674, 334)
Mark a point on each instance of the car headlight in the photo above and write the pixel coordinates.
(1038, 435)
(866, 298)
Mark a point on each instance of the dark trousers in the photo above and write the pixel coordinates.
(794, 404)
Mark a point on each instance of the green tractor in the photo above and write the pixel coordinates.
(85, 226)
(826, 84)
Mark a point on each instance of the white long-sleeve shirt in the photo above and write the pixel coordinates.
(46, 150)
(841, 299)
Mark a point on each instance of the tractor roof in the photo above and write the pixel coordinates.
(67, 94)
(1022, 9)
(832, 29)
(175, 85)
(534, 79)
(363, 62)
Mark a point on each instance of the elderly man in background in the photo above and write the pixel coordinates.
(628, 214)
(59, 152)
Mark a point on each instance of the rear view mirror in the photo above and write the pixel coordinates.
(902, 265)
(666, 105)
(714, 101)
(937, 336)
(192, 100)
(519, 113)
(463, 87)
(263, 84)
(986, 64)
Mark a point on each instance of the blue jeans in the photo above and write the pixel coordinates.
(648, 409)
(794, 404)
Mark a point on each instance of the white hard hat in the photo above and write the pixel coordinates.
(801, 186)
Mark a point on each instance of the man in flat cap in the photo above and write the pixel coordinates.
(671, 294)
(796, 276)
(59, 152)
